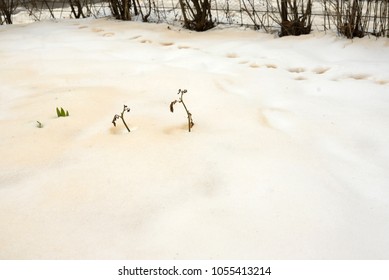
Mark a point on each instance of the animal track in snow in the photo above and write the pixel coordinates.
(272, 66)
(166, 44)
(108, 34)
(97, 30)
(321, 70)
(144, 41)
(254, 65)
(231, 55)
(296, 70)
(183, 47)
(300, 78)
(382, 82)
(100, 30)
(359, 76)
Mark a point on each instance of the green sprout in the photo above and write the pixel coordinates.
(39, 124)
(181, 100)
(121, 116)
(62, 113)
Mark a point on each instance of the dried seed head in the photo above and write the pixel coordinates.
(171, 105)
(114, 119)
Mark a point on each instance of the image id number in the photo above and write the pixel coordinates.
(230, 270)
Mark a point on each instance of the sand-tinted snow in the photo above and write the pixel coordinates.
(288, 157)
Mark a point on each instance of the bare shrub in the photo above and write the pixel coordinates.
(7, 8)
(380, 11)
(77, 8)
(356, 18)
(197, 14)
(257, 17)
(294, 17)
(144, 9)
(121, 9)
(35, 8)
(347, 16)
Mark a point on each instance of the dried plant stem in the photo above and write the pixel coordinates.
(116, 117)
(181, 100)
(124, 122)
(190, 120)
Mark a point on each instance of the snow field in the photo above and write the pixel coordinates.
(287, 158)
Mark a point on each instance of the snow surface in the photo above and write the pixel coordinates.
(288, 158)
